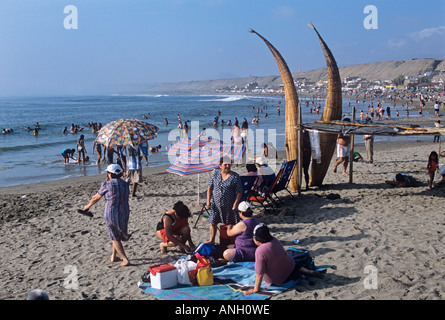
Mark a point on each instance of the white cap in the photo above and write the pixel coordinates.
(244, 206)
(114, 168)
(260, 161)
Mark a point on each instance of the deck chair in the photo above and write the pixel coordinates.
(283, 183)
(248, 183)
(266, 198)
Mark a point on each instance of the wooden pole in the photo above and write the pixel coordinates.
(299, 151)
(351, 152)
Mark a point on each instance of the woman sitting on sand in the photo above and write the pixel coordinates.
(173, 228)
(244, 249)
(272, 262)
(117, 210)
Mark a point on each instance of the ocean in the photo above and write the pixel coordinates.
(25, 158)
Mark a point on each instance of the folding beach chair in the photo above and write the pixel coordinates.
(248, 183)
(266, 197)
(283, 183)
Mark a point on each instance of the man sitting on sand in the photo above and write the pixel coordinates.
(343, 151)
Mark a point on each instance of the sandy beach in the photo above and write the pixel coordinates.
(397, 232)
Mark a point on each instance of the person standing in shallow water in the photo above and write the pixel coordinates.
(81, 149)
(117, 210)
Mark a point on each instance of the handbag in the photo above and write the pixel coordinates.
(204, 276)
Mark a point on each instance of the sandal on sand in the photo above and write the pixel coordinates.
(85, 212)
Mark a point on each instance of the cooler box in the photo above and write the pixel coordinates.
(163, 276)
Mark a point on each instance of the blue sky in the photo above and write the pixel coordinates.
(121, 44)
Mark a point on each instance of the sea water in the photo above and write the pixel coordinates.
(25, 158)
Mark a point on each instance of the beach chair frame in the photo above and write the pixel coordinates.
(248, 183)
(267, 197)
(285, 178)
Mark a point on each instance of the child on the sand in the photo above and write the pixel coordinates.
(173, 228)
(433, 161)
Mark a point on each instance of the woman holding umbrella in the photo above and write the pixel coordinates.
(117, 210)
(225, 191)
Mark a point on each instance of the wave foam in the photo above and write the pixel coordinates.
(229, 98)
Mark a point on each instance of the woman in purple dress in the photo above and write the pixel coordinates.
(245, 247)
(117, 210)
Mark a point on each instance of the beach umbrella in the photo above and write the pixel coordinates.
(185, 145)
(205, 159)
(125, 132)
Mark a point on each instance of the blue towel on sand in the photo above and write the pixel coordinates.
(230, 282)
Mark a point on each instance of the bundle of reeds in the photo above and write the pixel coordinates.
(332, 111)
(292, 114)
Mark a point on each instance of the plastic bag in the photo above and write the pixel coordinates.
(186, 271)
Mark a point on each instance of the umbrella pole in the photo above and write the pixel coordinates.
(198, 191)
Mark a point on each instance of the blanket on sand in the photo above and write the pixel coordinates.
(230, 283)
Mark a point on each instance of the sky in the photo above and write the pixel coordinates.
(112, 46)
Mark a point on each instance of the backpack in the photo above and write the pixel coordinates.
(204, 249)
(302, 258)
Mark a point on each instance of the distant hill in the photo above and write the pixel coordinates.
(388, 70)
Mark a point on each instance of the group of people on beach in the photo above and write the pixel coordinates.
(400, 179)
(251, 240)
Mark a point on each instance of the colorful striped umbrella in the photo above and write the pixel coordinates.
(185, 145)
(205, 159)
(126, 132)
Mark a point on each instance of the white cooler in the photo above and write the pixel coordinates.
(163, 276)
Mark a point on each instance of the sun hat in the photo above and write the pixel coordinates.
(244, 206)
(114, 168)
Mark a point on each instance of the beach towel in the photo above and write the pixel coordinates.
(230, 283)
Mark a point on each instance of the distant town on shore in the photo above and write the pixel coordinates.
(416, 74)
